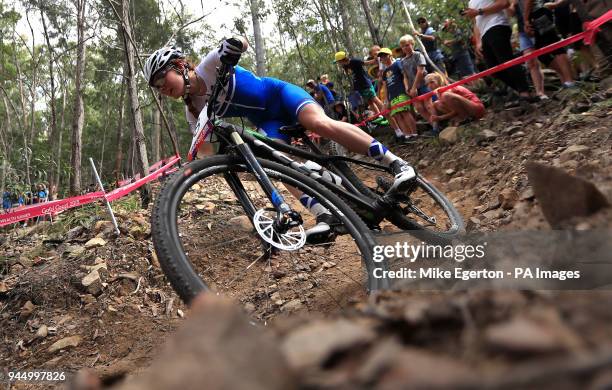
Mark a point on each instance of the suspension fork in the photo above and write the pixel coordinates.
(287, 216)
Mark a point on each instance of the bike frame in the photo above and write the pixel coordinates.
(232, 139)
(272, 150)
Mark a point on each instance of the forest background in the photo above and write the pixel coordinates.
(72, 88)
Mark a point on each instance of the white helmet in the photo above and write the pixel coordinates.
(159, 60)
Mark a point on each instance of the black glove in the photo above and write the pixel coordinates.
(231, 50)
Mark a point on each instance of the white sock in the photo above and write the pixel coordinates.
(313, 205)
(398, 133)
(380, 153)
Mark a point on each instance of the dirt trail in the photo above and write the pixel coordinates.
(127, 309)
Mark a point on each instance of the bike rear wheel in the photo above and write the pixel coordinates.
(204, 239)
(424, 211)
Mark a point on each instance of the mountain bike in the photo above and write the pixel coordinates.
(229, 222)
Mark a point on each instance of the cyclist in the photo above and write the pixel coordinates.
(268, 103)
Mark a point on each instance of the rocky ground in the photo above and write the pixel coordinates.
(72, 296)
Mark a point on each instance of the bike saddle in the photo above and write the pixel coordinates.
(295, 131)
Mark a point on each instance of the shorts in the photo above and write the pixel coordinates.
(525, 42)
(286, 102)
(576, 28)
(423, 90)
(562, 20)
(546, 38)
(397, 100)
(463, 64)
(368, 93)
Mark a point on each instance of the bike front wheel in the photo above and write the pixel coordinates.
(203, 233)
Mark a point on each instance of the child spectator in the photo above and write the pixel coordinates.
(539, 23)
(340, 112)
(457, 104)
(429, 36)
(458, 45)
(492, 32)
(360, 81)
(393, 84)
(413, 69)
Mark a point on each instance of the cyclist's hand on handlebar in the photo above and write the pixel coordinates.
(231, 49)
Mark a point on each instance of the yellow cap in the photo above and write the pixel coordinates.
(384, 50)
(340, 56)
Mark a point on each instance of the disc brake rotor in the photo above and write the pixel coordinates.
(291, 240)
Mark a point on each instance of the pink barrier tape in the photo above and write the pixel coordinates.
(590, 29)
(57, 206)
(53, 207)
(122, 191)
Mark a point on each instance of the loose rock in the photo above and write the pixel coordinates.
(26, 310)
(508, 198)
(562, 196)
(449, 135)
(66, 342)
(480, 158)
(485, 136)
(312, 344)
(95, 242)
(242, 223)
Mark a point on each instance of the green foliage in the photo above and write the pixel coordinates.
(305, 38)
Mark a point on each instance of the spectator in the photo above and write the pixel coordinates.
(7, 202)
(413, 69)
(373, 56)
(589, 10)
(21, 199)
(321, 93)
(457, 104)
(340, 112)
(492, 32)
(360, 81)
(526, 45)
(42, 193)
(393, 84)
(539, 23)
(568, 23)
(429, 36)
(458, 45)
(324, 79)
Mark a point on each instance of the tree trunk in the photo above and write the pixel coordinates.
(58, 162)
(119, 154)
(54, 136)
(140, 145)
(371, 26)
(173, 131)
(260, 49)
(78, 116)
(26, 147)
(156, 136)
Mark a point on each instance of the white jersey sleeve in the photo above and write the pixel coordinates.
(207, 69)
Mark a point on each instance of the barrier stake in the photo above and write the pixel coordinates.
(108, 205)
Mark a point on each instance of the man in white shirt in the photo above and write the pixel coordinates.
(492, 32)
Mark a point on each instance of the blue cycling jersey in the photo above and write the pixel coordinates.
(267, 102)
